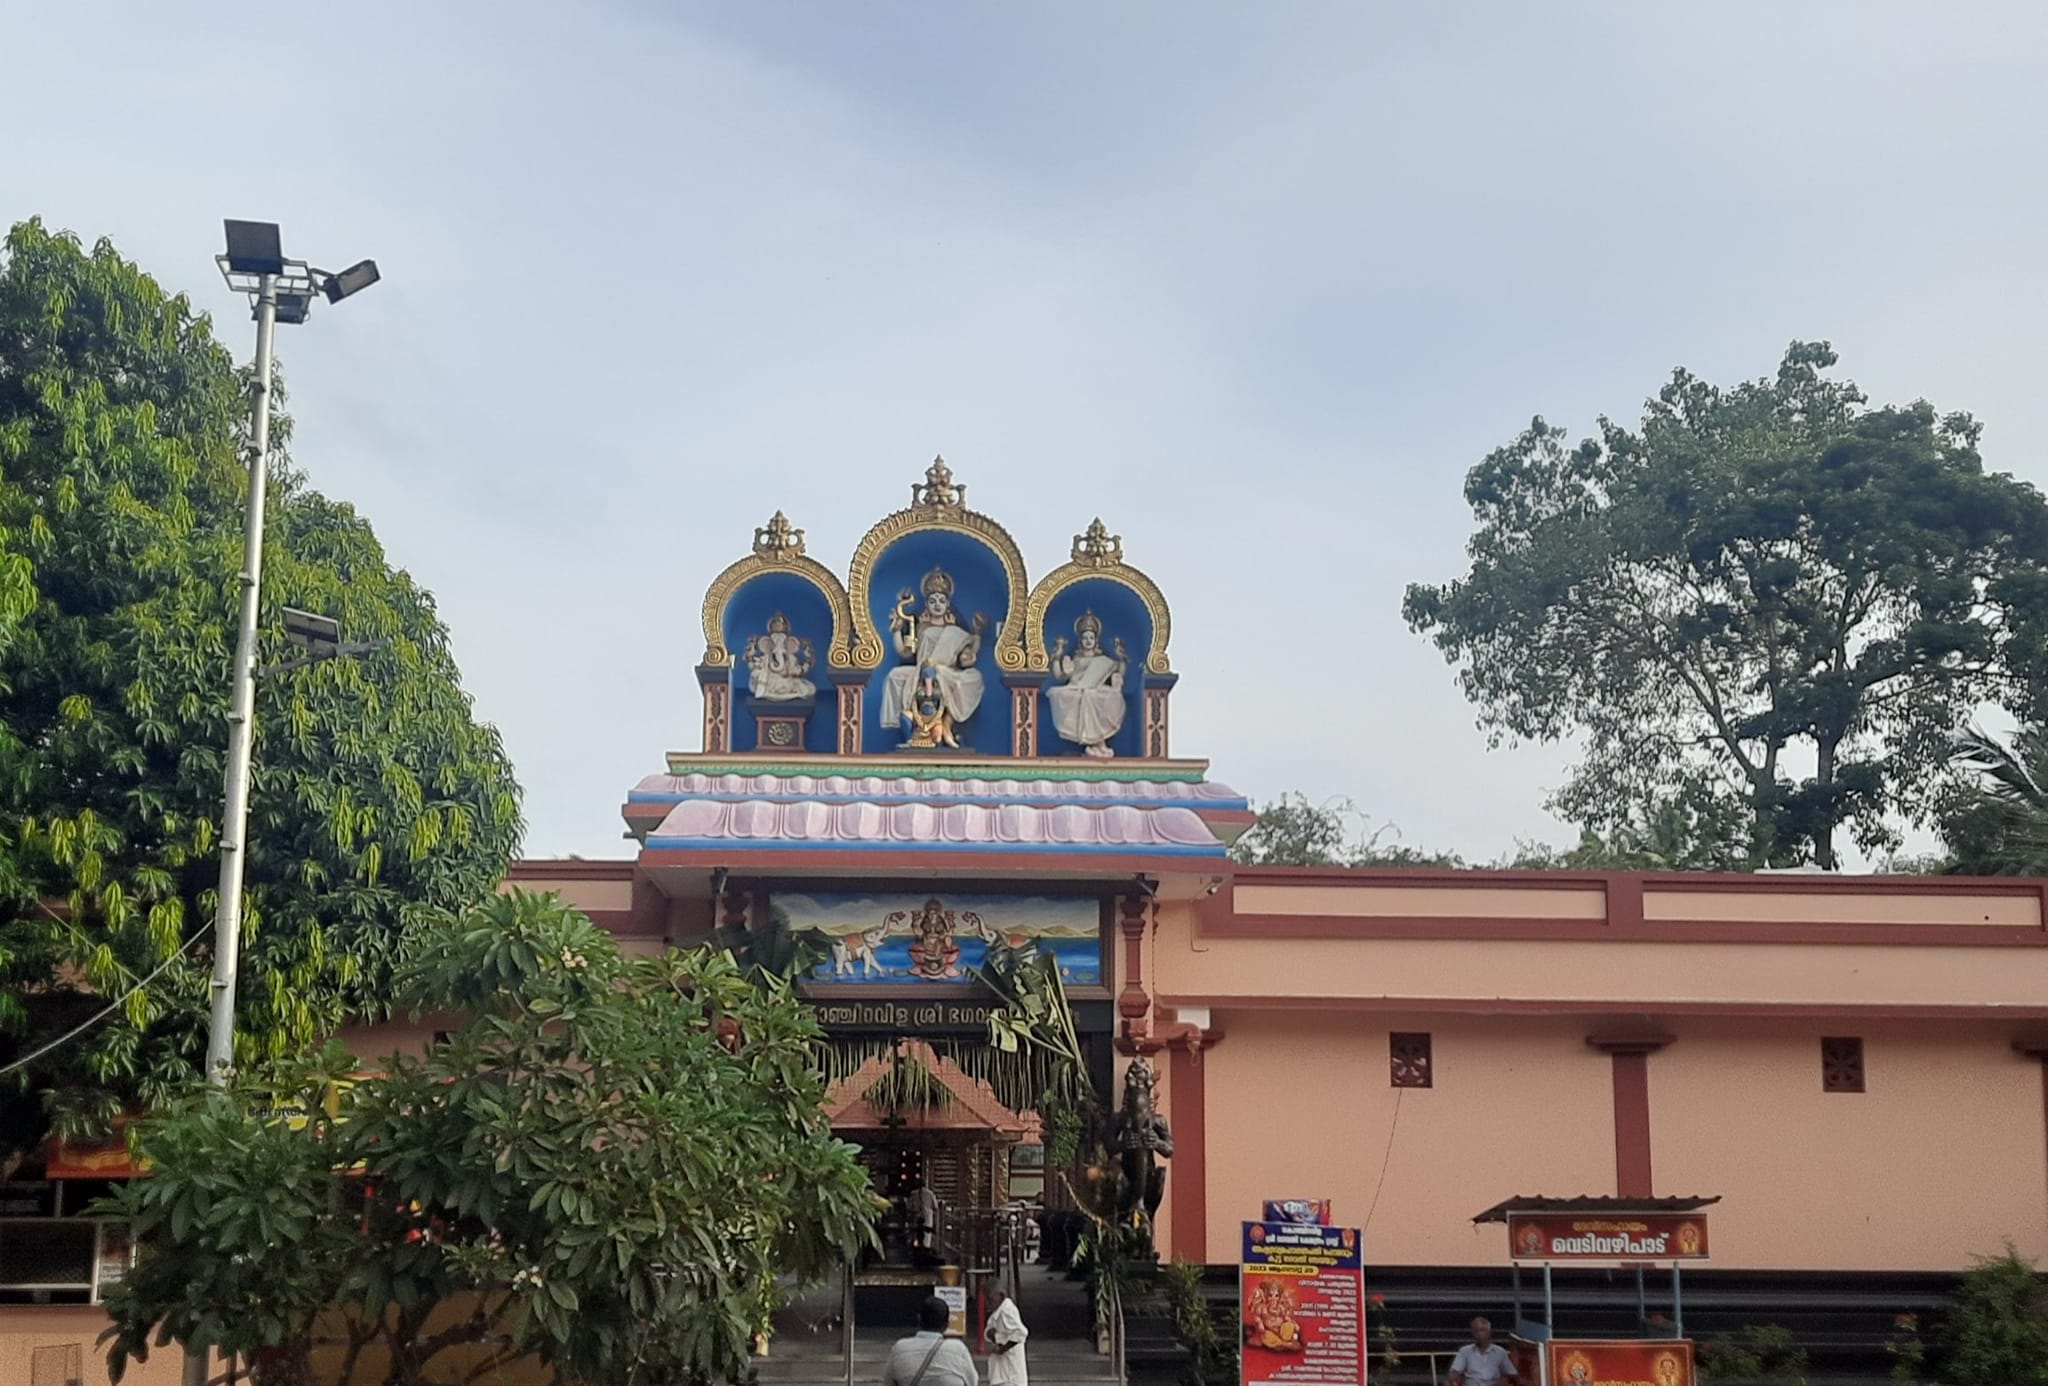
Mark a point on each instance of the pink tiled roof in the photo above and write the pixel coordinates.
(1115, 827)
(697, 784)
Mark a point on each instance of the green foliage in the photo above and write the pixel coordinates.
(1294, 831)
(775, 949)
(1997, 1328)
(1758, 1352)
(1907, 1349)
(1034, 1059)
(376, 800)
(1756, 578)
(1212, 1352)
(1996, 818)
(606, 1166)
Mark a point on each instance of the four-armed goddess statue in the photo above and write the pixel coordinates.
(1088, 703)
(937, 687)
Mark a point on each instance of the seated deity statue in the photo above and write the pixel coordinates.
(1088, 701)
(777, 663)
(938, 655)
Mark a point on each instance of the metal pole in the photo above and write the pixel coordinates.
(1642, 1305)
(1516, 1270)
(1549, 1304)
(1677, 1300)
(227, 918)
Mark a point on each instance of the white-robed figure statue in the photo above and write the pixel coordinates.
(1088, 701)
(777, 662)
(938, 654)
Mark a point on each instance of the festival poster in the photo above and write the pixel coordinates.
(943, 937)
(1631, 1362)
(1301, 1305)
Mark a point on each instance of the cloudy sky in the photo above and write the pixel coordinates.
(1257, 283)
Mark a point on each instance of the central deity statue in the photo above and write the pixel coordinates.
(937, 687)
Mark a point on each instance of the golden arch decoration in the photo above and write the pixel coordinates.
(717, 656)
(1065, 576)
(867, 641)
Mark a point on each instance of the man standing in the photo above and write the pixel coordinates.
(928, 1357)
(1005, 1336)
(1482, 1362)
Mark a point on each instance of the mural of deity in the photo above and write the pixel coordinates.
(777, 663)
(934, 956)
(1088, 702)
(938, 655)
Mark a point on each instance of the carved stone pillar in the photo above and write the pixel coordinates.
(852, 686)
(1155, 741)
(1024, 700)
(1133, 1002)
(716, 682)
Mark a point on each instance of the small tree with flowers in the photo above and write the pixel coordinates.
(604, 1167)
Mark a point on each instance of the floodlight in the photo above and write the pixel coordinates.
(293, 306)
(357, 277)
(310, 630)
(255, 247)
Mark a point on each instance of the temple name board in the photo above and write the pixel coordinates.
(904, 1017)
(1607, 1237)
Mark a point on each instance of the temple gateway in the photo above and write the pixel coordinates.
(949, 752)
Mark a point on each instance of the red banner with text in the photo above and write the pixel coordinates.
(1607, 1237)
(1632, 1363)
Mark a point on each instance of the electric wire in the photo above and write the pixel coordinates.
(1393, 1124)
(75, 1031)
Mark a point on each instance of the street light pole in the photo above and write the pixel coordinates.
(282, 291)
(227, 918)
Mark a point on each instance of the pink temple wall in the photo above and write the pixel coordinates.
(1941, 1159)
(1301, 1107)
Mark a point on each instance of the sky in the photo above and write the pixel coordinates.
(1255, 283)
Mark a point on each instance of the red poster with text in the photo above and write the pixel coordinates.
(1301, 1305)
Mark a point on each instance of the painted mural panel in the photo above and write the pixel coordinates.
(941, 937)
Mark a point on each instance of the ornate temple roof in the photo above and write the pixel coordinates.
(847, 715)
(935, 827)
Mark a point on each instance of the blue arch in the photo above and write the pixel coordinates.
(980, 584)
(1123, 615)
(747, 613)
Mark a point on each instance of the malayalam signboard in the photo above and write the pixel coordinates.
(1607, 1237)
(1635, 1362)
(1301, 1305)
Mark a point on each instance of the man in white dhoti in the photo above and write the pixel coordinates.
(777, 663)
(934, 643)
(1088, 702)
(1005, 1335)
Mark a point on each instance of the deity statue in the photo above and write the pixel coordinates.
(937, 687)
(1141, 1138)
(934, 956)
(777, 663)
(1088, 702)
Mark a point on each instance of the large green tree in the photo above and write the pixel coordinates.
(377, 798)
(607, 1166)
(1772, 595)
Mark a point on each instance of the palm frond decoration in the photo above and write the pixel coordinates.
(906, 1085)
